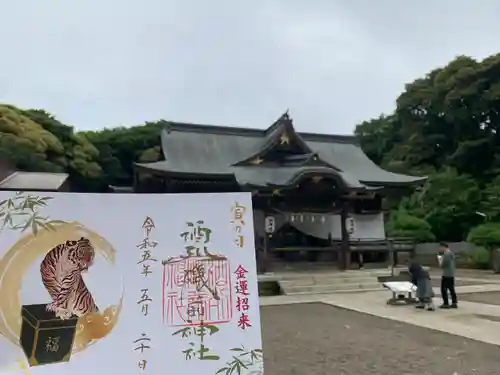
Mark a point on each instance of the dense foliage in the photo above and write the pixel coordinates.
(446, 125)
(402, 224)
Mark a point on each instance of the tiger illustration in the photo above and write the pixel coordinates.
(61, 272)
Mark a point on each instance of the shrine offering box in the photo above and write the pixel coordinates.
(46, 338)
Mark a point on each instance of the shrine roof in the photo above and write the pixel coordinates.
(207, 150)
(43, 181)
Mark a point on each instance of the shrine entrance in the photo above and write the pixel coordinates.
(288, 174)
(290, 245)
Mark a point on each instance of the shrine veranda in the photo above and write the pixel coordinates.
(173, 277)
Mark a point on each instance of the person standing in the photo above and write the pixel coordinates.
(447, 265)
(421, 279)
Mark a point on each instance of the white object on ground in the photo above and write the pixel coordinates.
(400, 286)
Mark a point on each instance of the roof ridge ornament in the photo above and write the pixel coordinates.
(284, 138)
(286, 119)
(257, 161)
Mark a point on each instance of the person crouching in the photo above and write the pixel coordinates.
(421, 278)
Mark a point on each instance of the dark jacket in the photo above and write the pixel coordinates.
(417, 272)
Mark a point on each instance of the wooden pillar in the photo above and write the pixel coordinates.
(136, 181)
(139, 181)
(167, 185)
(345, 253)
(267, 265)
(392, 256)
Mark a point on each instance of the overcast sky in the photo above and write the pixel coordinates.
(333, 63)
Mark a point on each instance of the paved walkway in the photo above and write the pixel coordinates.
(472, 320)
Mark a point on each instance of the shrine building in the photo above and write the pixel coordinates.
(317, 198)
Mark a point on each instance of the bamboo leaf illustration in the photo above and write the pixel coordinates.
(27, 225)
(213, 329)
(222, 370)
(27, 204)
(44, 200)
(34, 227)
(231, 369)
(238, 368)
(42, 224)
(56, 222)
(237, 350)
(240, 362)
(50, 227)
(211, 357)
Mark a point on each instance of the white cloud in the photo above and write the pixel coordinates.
(333, 63)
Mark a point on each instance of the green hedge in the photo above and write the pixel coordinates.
(481, 258)
(269, 288)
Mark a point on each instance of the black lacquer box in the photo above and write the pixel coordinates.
(46, 338)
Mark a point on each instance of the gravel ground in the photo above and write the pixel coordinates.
(489, 298)
(310, 339)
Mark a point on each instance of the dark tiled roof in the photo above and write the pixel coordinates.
(121, 189)
(213, 150)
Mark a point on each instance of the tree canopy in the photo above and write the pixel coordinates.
(446, 125)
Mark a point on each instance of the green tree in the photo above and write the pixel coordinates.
(402, 224)
(448, 202)
(120, 148)
(26, 144)
(486, 235)
(447, 118)
(151, 155)
(80, 158)
(377, 136)
(490, 203)
(446, 125)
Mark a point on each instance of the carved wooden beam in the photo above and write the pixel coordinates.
(354, 195)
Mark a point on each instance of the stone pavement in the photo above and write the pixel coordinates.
(476, 321)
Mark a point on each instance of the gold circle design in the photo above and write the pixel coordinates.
(14, 265)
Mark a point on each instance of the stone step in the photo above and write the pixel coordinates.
(327, 289)
(328, 275)
(328, 281)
